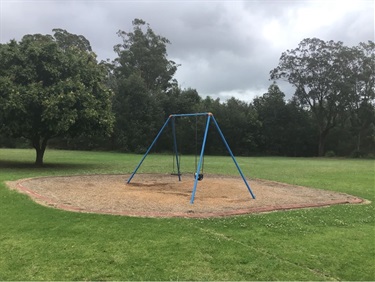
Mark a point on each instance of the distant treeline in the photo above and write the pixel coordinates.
(330, 114)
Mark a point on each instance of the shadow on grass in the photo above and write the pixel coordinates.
(7, 164)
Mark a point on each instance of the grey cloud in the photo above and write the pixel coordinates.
(224, 47)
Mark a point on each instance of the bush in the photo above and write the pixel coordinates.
(370, 156)
(330, 154)
(357, 154)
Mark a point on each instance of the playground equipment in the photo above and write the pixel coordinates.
(198, 174)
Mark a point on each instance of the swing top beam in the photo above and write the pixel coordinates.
(189, 115)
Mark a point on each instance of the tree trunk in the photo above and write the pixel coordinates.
(40, 145)
(322, 142)
(359, 141)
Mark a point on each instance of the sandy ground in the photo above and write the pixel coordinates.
(159, 195)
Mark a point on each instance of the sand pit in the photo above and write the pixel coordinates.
(162, 195)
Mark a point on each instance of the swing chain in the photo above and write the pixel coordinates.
(200, 174)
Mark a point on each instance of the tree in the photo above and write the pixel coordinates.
(145, 52)
(142, 74)
(362, 111)
(272, 113)
(137, 115)
(238, 122)
(299, 131)
(68, 40)
(52, 86)
(322, 74)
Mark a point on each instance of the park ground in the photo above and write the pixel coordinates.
(331, 243)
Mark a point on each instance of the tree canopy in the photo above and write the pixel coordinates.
(324, 74)
(52, 86)
(145, 53)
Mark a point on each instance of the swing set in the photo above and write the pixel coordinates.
(198, 175)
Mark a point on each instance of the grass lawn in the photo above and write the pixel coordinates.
(334, 243)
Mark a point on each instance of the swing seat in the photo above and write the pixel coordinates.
(200, 176)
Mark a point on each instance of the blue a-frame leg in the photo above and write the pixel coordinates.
(200, 160)
(233, 158)
(209, 116)
(148, 150)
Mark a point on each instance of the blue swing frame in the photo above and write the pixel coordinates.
(210, 117)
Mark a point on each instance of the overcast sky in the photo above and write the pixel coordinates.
(225, 48)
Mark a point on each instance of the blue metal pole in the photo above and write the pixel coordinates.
(149, 149)
(200, 159)
(175, 147)
(234, 159)
(189, 115)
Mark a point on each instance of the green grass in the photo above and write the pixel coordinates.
(334, 243)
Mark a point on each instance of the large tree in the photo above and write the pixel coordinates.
(52, 86)
(144, 52)
(137, 115)
(272, 113)
(322, 73)
(362, 108)
(142, 74)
